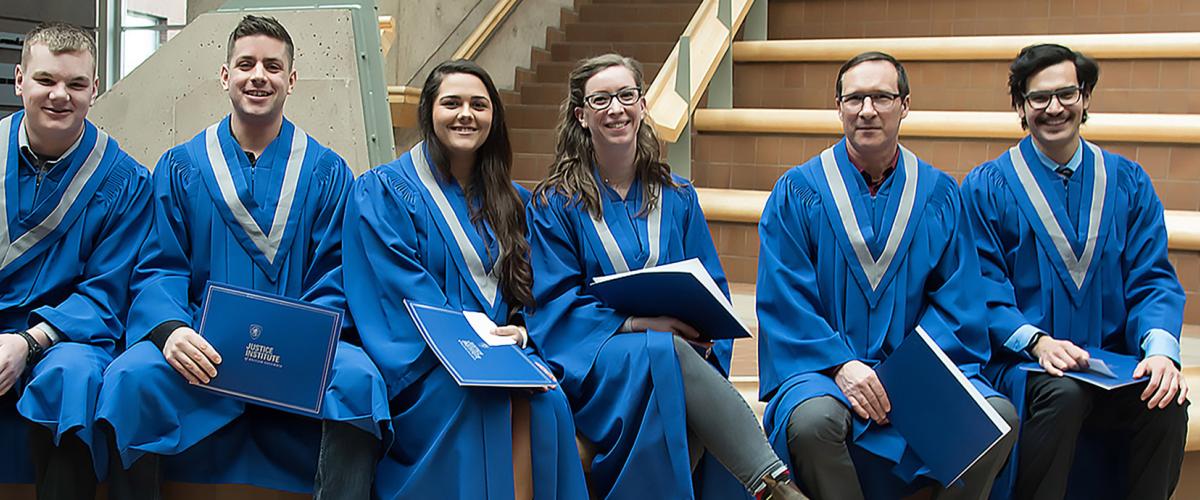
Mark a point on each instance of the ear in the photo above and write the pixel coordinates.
(904, 104)
(95, 89)
(19, 76)
(579, 116)
(291, 81)
(225, 77)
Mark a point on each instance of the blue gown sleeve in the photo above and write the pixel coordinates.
(1153, 295)
(698, 243)
(93, 311)
(794, 337)
(380, 251)
(323, 281)
(985, 199)
(569, 324)
(163, 272)
(953, 315)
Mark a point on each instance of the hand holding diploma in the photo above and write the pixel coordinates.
(668, 324)
(861, 386)
(191, 355)
(1058, 356)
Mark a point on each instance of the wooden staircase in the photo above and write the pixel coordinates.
(645, 30)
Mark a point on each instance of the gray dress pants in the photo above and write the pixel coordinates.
(817, 432)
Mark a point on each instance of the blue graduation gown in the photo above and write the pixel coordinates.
(65, 258)
(1107, 286)
(273, 227)
(626, 389)
(824, 300)
(409, 236)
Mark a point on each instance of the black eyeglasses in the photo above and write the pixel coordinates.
(883, 101)
(600, 101)
(1067, 96)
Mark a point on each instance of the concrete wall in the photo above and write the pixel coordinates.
(175, 94)
(197, 7)
(430, 32)
(524, 29)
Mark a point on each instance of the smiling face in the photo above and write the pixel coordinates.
(462, 115)
(56, 90)
(869, 129)
(259, 76)
(1057, 126)
(619, 123)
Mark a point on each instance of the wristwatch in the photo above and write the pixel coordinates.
(1033, 341)
(35, 349)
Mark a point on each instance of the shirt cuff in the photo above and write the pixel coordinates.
(50, 332)
(159, 335)
(1159, 342)
(626, 326)
(1020, 339)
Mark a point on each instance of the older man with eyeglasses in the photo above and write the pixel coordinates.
(861, 246)
(1074, 254)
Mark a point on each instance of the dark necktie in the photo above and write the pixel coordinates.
(1065, 173)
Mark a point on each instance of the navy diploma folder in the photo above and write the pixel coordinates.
(473, 357)
(275, 351)
(1106, 370)
(682, 290)
(942, 416)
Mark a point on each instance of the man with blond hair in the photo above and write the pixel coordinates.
(70, 204)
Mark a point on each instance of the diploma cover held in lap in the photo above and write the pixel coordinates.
(275, 351)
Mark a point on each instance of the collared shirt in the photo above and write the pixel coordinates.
(37, 161)
(873, 184)
(1063, 169)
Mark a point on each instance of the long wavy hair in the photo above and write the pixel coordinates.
(501, 205)
(575, 155)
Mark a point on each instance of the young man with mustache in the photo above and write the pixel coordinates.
(1074, 252)
(251, 201)
(71, 204)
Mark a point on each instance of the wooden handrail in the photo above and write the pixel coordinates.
(492, 20)
(709, 39)
(387, 33)
(971, 48)
(1125, 127)
(403, 102)
(746, 206)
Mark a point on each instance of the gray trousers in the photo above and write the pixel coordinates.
(721, 421)
(817, 431)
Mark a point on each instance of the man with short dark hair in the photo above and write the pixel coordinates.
(71, 203)
(251, 201)
(861, 246)
(1074, 252)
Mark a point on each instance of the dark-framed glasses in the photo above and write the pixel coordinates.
(1067, 96)
(883, 101)
(600, 101)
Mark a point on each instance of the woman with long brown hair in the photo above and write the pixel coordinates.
(644, 390)
(444, 225)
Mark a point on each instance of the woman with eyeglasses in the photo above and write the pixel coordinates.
(649, 396)
(444, 225)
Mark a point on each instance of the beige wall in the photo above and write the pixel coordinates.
(525, 28)
(176, 93)
(430, 32)
(197, 7)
